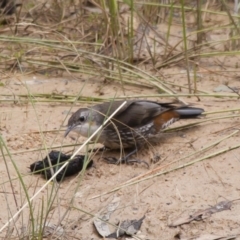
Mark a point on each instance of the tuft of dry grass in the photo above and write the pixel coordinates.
(127, 43)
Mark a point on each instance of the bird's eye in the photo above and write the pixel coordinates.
(82, 119)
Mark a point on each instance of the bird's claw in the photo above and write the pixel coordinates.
(113, 160)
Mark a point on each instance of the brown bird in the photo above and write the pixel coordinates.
(135, 124)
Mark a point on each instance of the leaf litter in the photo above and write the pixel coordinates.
(202, 214)
(124, 228)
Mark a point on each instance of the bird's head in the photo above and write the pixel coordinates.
(82, 122)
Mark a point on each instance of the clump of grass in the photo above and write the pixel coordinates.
(104, 40)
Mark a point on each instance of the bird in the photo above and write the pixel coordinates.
(138, 122)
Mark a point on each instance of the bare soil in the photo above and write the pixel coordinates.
(162, 199)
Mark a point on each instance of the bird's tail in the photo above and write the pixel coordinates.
(188, 112)
(167, 118)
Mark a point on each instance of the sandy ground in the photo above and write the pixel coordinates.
(161, 199)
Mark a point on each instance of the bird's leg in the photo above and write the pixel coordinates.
(113, 160)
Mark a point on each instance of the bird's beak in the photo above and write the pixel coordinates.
(69, 129)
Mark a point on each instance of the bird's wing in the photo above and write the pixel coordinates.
(139, 113)
(135, 113)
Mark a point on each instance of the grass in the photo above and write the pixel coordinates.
(122, 43)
